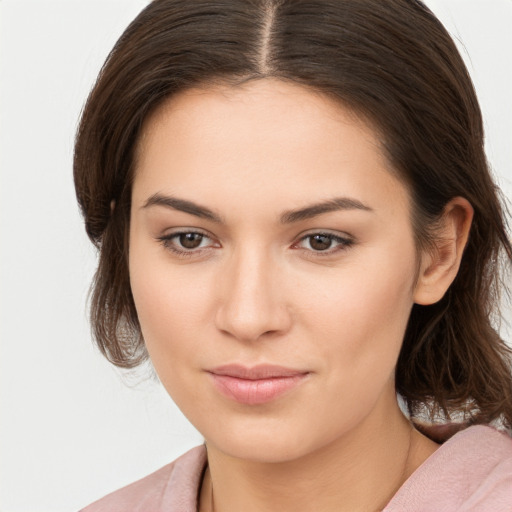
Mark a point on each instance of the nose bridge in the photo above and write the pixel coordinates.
(251, 302)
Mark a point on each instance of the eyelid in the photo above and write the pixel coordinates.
(344, 241)
(168, 237)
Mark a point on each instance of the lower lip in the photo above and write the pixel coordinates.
(254, 392)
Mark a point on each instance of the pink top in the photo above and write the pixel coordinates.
(472, 471)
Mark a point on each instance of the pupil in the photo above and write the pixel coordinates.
(191, 240)
(320, 242)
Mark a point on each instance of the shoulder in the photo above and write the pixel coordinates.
(471, 471)
(172, 488)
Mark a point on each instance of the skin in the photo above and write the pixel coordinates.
(259, 291)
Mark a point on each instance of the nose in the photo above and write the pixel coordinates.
(252, 300)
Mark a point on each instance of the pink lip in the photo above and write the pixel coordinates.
(256, 385)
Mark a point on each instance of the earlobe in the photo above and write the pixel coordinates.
(439, 266)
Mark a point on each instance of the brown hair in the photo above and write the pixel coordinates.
(390, 61)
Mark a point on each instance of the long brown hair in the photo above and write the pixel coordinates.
(392, 62)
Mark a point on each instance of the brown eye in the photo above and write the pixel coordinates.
(324, 243)
(320, 242)
(190, 240)
(187, 243)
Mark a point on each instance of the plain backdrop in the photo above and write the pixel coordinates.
(72, 427)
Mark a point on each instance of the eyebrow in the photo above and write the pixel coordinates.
(288, 217)
(183, 205)
(332, 205)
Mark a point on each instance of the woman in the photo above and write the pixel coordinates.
(297, 225)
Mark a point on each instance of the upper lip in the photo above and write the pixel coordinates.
(261, 371)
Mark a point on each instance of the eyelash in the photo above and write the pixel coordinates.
(344, 243)
(167, 242)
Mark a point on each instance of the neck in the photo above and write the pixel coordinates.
(362, 470)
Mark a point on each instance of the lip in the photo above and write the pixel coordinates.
(256, 385)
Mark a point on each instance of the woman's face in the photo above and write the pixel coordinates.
(272, 263)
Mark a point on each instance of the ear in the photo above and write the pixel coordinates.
(438, 267)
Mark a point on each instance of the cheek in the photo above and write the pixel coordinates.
(356, 326)
(173, 329)
(167, 311)
(170, 306)
(363, 311)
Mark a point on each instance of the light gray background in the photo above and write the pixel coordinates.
(71, 428)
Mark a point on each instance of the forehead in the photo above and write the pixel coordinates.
(266, 136)
(257, 110)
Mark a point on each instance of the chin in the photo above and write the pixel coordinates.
(265, 451)
(264, 442)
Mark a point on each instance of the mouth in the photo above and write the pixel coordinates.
(257, 385)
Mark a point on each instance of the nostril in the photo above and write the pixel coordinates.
(251, 302)
(247, 323)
